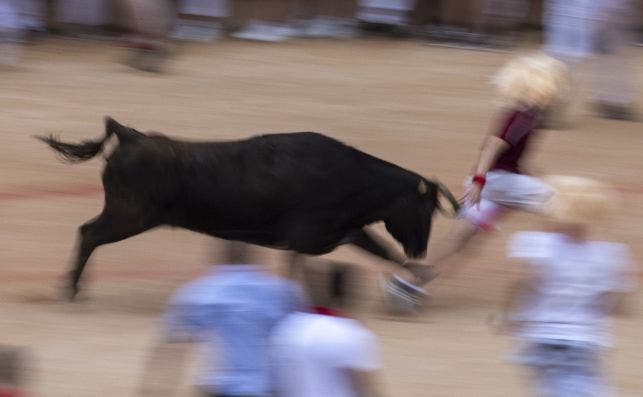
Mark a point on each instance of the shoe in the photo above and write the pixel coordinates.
(401, 296)
(330, 28)
(267, 32)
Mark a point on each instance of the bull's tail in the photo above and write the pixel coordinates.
(453, 202)
(75, 153)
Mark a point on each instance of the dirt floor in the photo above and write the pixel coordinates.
(425, 108)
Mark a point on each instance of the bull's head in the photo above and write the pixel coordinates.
(409, 218)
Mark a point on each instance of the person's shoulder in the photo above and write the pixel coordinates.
(532, 244)
(353, 329)
(197, 290)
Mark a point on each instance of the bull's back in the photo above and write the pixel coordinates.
(310, 169)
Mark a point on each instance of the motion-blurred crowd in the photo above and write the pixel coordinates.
(573, 30)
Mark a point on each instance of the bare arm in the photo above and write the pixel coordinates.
(492, 148)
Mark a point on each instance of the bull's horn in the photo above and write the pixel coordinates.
(422, 188)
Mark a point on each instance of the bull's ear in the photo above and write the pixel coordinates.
(422, 188)
(111, 125)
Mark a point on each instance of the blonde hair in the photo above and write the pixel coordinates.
(579, 200)
(533, 80)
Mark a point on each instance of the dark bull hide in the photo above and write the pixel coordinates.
(303, 192)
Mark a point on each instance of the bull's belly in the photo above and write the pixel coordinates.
(304, 233)
(311, 245)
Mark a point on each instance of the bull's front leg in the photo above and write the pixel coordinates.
(382, 249)
(376, 246)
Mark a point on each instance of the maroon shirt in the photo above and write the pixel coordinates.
(517, 128)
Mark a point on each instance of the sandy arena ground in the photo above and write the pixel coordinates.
(425, 108)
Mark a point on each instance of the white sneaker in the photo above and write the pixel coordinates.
(263, 31)
(329, 27)
(401, 296)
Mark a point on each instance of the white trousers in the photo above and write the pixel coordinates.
(506, 190)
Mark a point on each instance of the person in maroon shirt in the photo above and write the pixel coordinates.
(527, 85)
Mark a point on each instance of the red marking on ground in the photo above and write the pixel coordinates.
(633, 190)
(85, 190)
(22, 277)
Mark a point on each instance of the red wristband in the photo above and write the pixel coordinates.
(480, 180)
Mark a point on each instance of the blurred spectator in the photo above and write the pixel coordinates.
(11, 32)
(231, 310)
(461, 22)
(479, 22)
(560, 310)
(267, 20)
(201, 20)
(83, 12)
(149, 21)
(391, 15)
(324, 352)
(328, 18)
(12, 372)
(502, 20)
(578, 29)
(34, 14)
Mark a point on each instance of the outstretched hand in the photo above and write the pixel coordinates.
(472, 196)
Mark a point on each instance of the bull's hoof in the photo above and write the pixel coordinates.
(69, 292)
(72, 294)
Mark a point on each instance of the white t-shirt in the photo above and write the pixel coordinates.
(573, 277)
(311, 354)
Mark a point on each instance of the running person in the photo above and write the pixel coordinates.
(527, 85)
(559, 311)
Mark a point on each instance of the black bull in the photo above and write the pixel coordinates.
(303, 192)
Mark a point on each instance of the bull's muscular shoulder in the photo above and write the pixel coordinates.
(315, 159)
(298, 138)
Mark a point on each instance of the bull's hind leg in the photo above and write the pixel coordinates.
(108, 227)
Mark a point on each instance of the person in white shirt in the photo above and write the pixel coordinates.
(324, 352)
(230, 312)
(560, 312)
(576, 30)
(149, 22)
